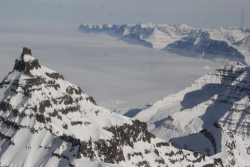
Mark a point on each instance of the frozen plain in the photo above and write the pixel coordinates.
(120, 76)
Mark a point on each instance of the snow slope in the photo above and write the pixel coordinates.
(211, 116)
(47, 121)
(219, 44)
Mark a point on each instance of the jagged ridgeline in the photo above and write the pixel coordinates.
(47, 121)
(229, 45)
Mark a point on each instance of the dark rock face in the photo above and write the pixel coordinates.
(26, 51)
(248, 150)
(43, 105)
(210, 136)
(217, 125)
(70, 90)
(7, 138)
(30, 66)
(55, 75)
(40, 118)
(5, 106)
(91, 99)
(4, 83)
(132, 133)
(52, 84)
(26, 67)
(76, 123)
(34, 81)
(111, 149)
(9, 123)
(162, 144)
(66, 99)
(66, 110)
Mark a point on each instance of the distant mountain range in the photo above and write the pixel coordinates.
(219, 44)
(212, 116)
(47, 121)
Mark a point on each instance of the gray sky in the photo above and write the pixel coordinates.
(195, 13)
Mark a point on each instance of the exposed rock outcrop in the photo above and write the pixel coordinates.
(47, 121)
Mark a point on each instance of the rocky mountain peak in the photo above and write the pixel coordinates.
(47, 121)
(26, 51)
(26, 63)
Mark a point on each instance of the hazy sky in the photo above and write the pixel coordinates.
(196, 13)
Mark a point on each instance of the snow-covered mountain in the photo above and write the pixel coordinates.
(47, 121)
(220, 44)
(212, 116)
(151, 35)
(199, 44)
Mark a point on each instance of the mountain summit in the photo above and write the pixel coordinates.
(47, 121)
